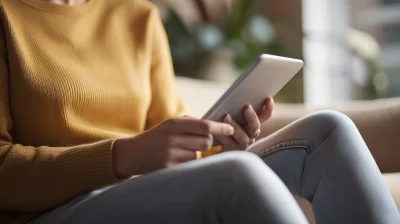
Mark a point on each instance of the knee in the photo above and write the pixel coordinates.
(328, 121)
(239, 160)
(332, 119)
(320, 125)
(240, 166)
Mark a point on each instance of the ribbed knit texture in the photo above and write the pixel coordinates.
(73, 79)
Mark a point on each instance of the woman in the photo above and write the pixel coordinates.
(87, 101)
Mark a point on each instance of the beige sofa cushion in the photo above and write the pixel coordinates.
(200, 95)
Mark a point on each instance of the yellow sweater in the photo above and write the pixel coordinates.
(73, 79)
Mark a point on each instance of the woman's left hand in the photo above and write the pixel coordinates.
(245, 136)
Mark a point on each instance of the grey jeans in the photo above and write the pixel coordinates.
(321, 157)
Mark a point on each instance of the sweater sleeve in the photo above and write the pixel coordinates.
(165, 102)
(34, 179)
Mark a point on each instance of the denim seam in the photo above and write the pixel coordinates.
(304, 144)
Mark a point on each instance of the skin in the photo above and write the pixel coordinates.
(66, 2)
(176, 140)
(245, 136)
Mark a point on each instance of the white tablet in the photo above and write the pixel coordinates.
(264, 78)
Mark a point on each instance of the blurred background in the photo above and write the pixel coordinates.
(351, 48)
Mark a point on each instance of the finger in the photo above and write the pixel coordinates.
(202, 127)
(192, 142)
(188, 116)
(266, 111)
(181, 155)
(253, 123)
(240, 134)
(228, 143)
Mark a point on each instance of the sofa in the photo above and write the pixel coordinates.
(378, 122)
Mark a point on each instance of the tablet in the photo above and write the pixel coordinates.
(264, 78)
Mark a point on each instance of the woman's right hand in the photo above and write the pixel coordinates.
(172, 142)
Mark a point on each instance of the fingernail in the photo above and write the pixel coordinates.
(228, 119)
(247, 109)
(257, 133)
(269, 102)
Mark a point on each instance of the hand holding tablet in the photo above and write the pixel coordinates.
(263, 79)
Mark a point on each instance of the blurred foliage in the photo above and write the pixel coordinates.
(365, 48)
(373, 70)
(243, 30)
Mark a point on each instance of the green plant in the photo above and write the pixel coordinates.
(242, 29)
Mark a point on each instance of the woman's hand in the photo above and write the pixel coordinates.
(170, 143)
(244, 136)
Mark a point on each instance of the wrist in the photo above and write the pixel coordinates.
(121, 170)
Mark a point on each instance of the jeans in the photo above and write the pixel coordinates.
(321, 157)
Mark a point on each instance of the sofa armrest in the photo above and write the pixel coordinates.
(378, 122)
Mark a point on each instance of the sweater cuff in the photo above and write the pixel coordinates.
(214, 150)
(92, 165)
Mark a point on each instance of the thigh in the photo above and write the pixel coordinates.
(234, 187)
(169, 196)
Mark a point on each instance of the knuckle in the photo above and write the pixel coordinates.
(168, 124)
(245, 138)
(170, 140)
(252, 130)
(173, 121)
(256, 133)
(244, 143)
(205, 144)
(205, 126)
